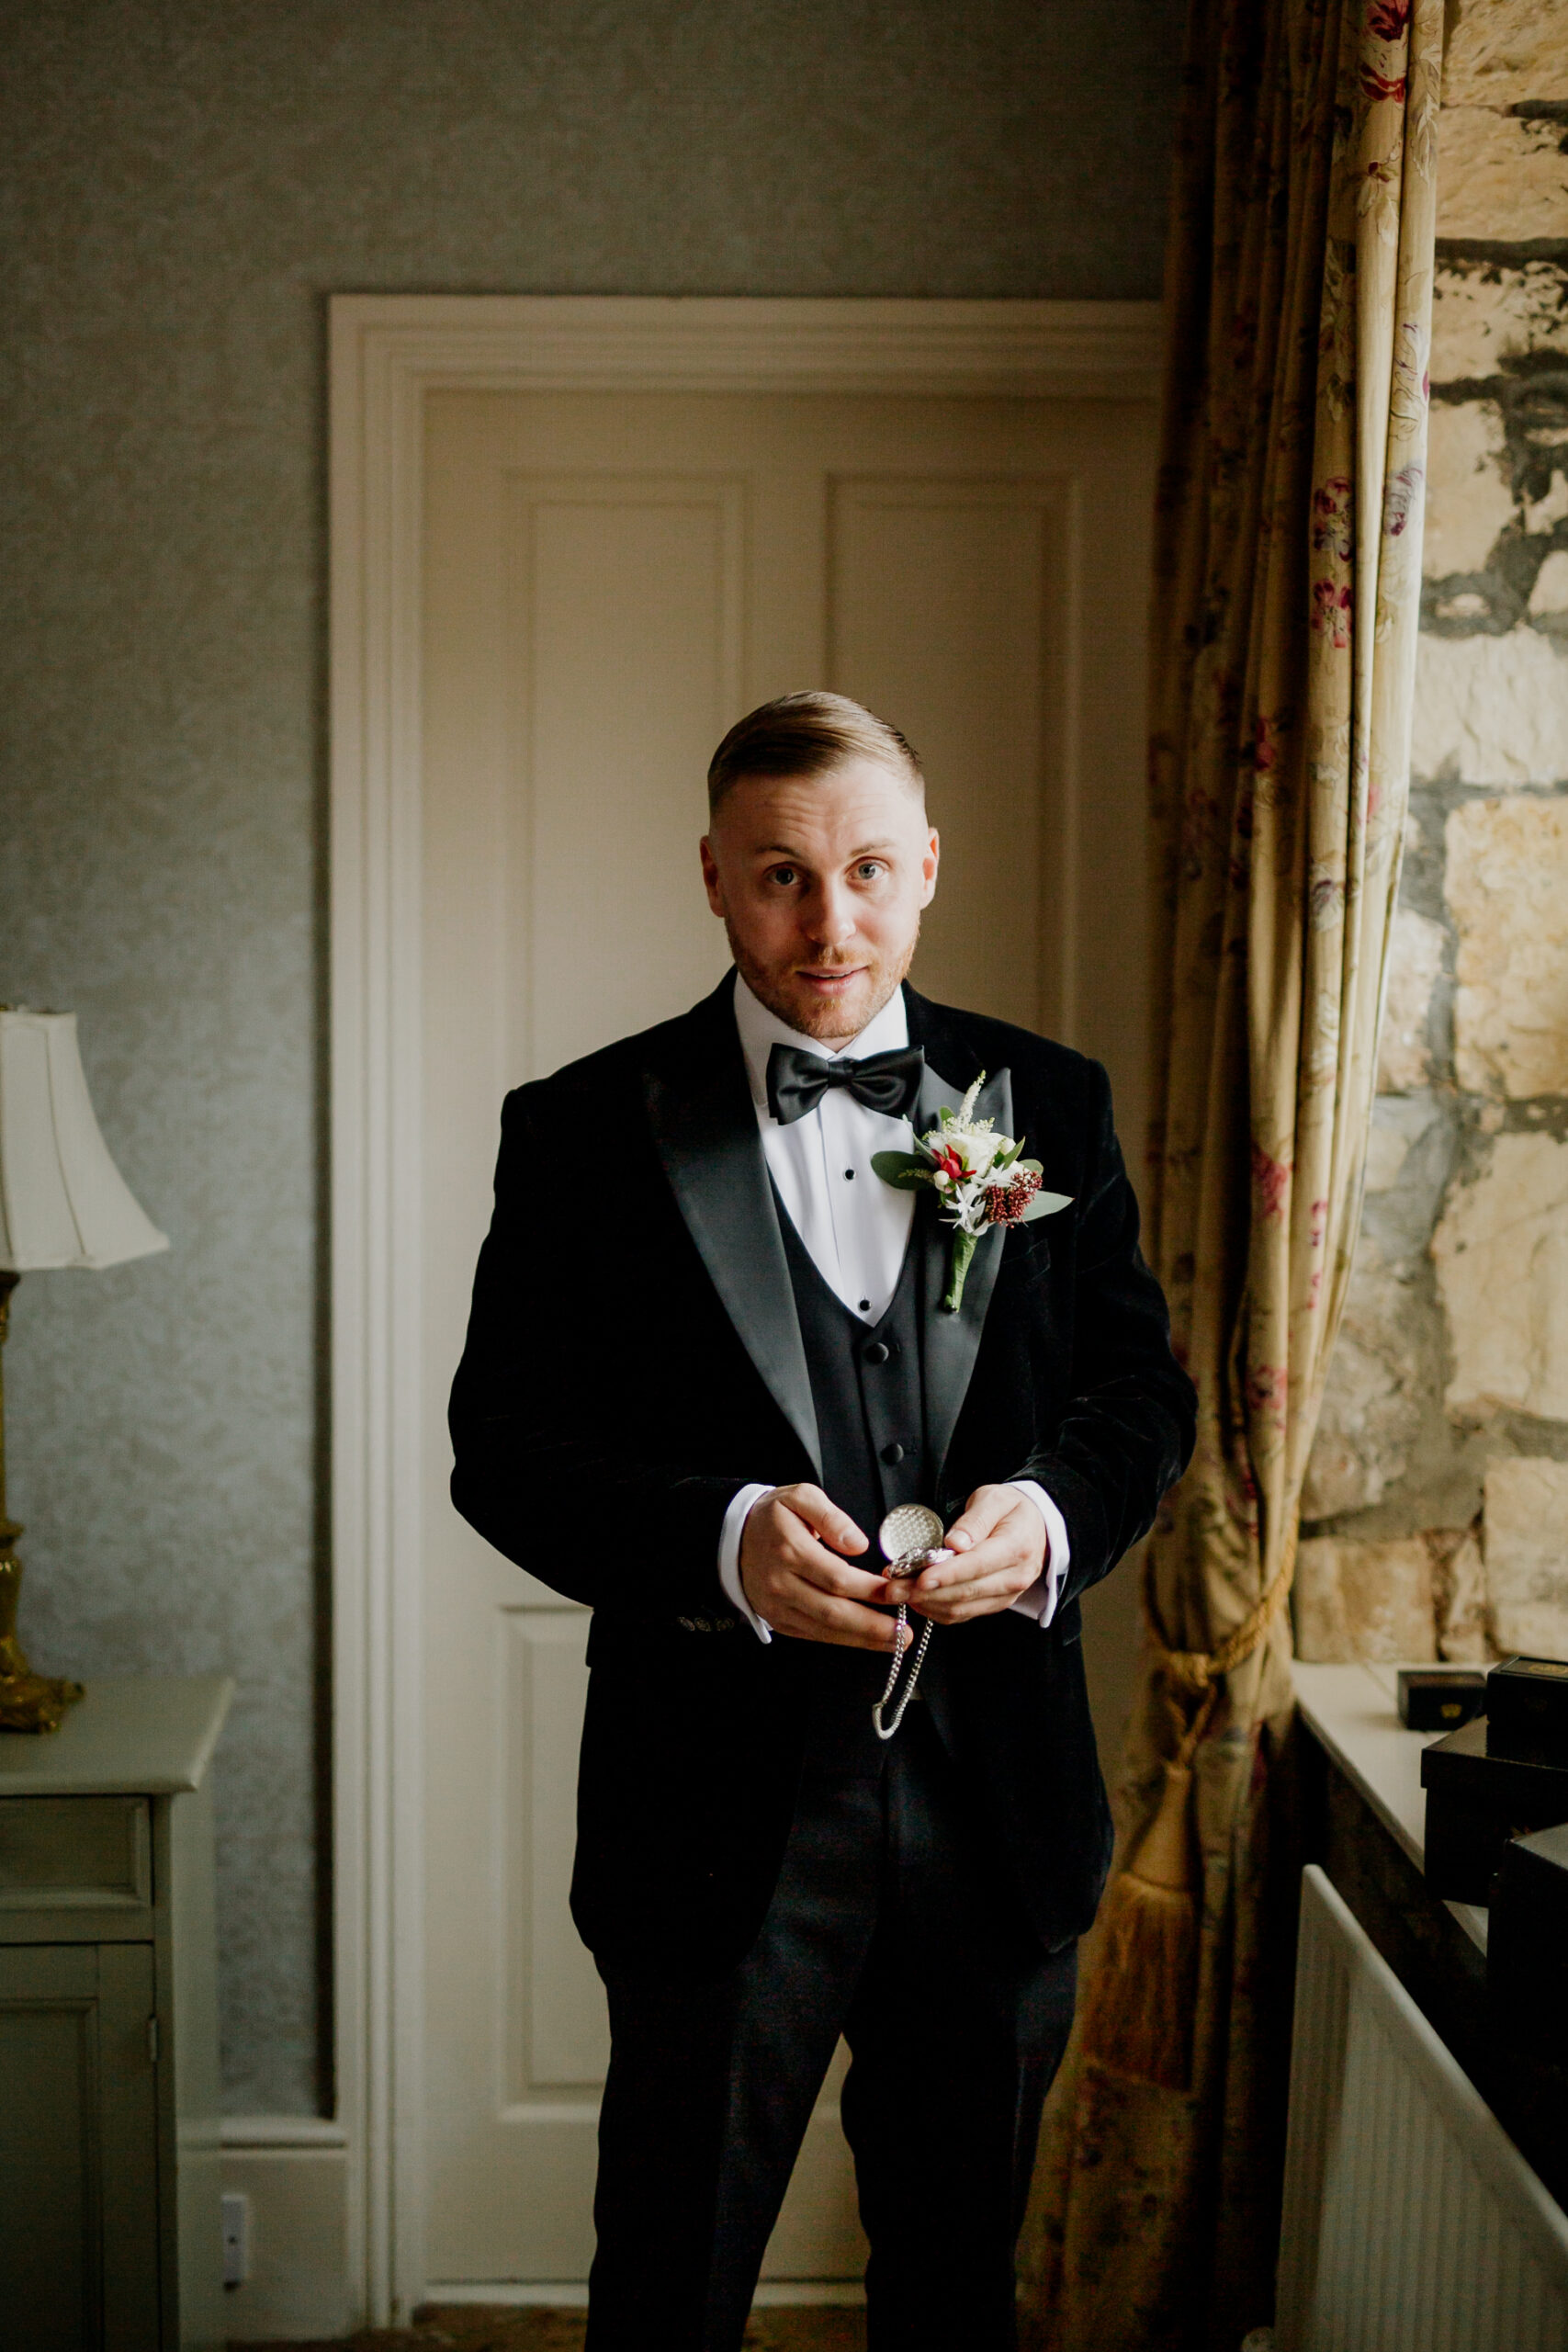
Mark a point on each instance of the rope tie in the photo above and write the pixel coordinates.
(1194, 1676)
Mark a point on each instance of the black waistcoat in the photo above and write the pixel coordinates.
(868, 1388)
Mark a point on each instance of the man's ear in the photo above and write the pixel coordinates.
(710, 876)
(928, 865)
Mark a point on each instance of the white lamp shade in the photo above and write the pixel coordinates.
(63, 1200)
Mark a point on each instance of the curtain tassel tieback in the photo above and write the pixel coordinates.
(1138, 2019)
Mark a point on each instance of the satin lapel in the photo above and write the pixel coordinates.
(706, 1132)
(952, 1341)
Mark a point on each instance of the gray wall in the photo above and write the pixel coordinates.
(183, 186)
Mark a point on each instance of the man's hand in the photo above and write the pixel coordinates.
(792, 1578)
(1000, 1544)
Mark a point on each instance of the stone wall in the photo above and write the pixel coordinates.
(1436, 1511)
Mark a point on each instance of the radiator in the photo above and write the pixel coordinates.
(1412, 2223)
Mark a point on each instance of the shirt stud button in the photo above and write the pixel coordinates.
(892, 1454)
(849, 1175)
(865, 1307)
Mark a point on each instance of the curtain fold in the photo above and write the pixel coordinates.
(1286, 602)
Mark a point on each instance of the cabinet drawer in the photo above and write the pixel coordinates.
(71, 1853)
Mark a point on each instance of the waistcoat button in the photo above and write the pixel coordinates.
(878, 1351)
(892, 1454)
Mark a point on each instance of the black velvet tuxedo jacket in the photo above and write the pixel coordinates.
(629, 1368)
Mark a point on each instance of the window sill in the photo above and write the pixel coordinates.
(1353, 1713)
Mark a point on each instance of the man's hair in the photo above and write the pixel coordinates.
(808, 734)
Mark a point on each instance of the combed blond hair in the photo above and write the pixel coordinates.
(808, 734)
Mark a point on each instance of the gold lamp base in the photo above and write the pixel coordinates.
(29, 1701)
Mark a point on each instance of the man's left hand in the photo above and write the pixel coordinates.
(1000, 1544)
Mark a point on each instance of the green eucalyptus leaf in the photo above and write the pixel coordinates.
(1046, 1205)
(1031, 1168)
(902, 1169)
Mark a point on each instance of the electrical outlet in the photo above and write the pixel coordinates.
(236, 2238)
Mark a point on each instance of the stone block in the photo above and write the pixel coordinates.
(1550, 594)
(1371, 1414)
(1490, 709)
(1398, 1124)
(1366, 1601)
(1501, 1251)
(1469, 496)
(1526, 1544)
(1500, 176)
(1507, 885)
(1461, 1594)
(1546, 512)
(1484, 314)
(1500, 52)
(1405, 1195)
(1416, 959)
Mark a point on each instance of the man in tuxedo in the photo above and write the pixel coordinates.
(708, 1352)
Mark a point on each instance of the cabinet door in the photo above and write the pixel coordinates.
(78, 2149)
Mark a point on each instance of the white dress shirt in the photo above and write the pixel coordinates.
(856, 1229)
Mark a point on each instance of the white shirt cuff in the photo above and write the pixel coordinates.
(729, 1558)
(1040, 1600)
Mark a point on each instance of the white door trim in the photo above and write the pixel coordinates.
(386, 353)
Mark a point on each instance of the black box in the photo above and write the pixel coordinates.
(1527, 1709)
(1440, 1698)
(1526, 1945)
(1475, 1803)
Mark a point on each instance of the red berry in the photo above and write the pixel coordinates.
(1005, 1203)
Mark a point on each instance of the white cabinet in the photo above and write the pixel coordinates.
(109, 2026)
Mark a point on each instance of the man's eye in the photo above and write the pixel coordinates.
(783, 875)
(870, 869)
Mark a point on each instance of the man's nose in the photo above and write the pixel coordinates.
(829, 917)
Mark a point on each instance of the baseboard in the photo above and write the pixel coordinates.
(294, 2171)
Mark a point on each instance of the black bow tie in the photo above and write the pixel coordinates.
(884, 1082)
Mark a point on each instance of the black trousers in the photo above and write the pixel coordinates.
(888, 1926)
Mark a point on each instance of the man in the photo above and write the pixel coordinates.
(708, 1352)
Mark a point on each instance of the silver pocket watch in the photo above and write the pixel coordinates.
(910, 1537)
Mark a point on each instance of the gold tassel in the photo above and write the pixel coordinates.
(1139, 2017)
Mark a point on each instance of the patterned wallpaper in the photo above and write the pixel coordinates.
(182, 187)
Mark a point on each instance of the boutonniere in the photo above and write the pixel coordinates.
(979, 1178)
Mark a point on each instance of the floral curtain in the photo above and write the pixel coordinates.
(1286, 602)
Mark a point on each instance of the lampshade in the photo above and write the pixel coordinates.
(63, 1200)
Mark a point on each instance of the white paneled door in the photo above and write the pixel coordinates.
(610, 580)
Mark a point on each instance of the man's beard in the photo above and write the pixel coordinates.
(820, 1018)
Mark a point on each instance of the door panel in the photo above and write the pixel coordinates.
(560, 2041)
(628, 621)
(947, 609)
(610, 581)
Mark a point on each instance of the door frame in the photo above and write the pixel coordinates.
(386, 353)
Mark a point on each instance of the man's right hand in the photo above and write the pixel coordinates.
(791, 1577)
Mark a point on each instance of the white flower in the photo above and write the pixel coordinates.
(976, 1145)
